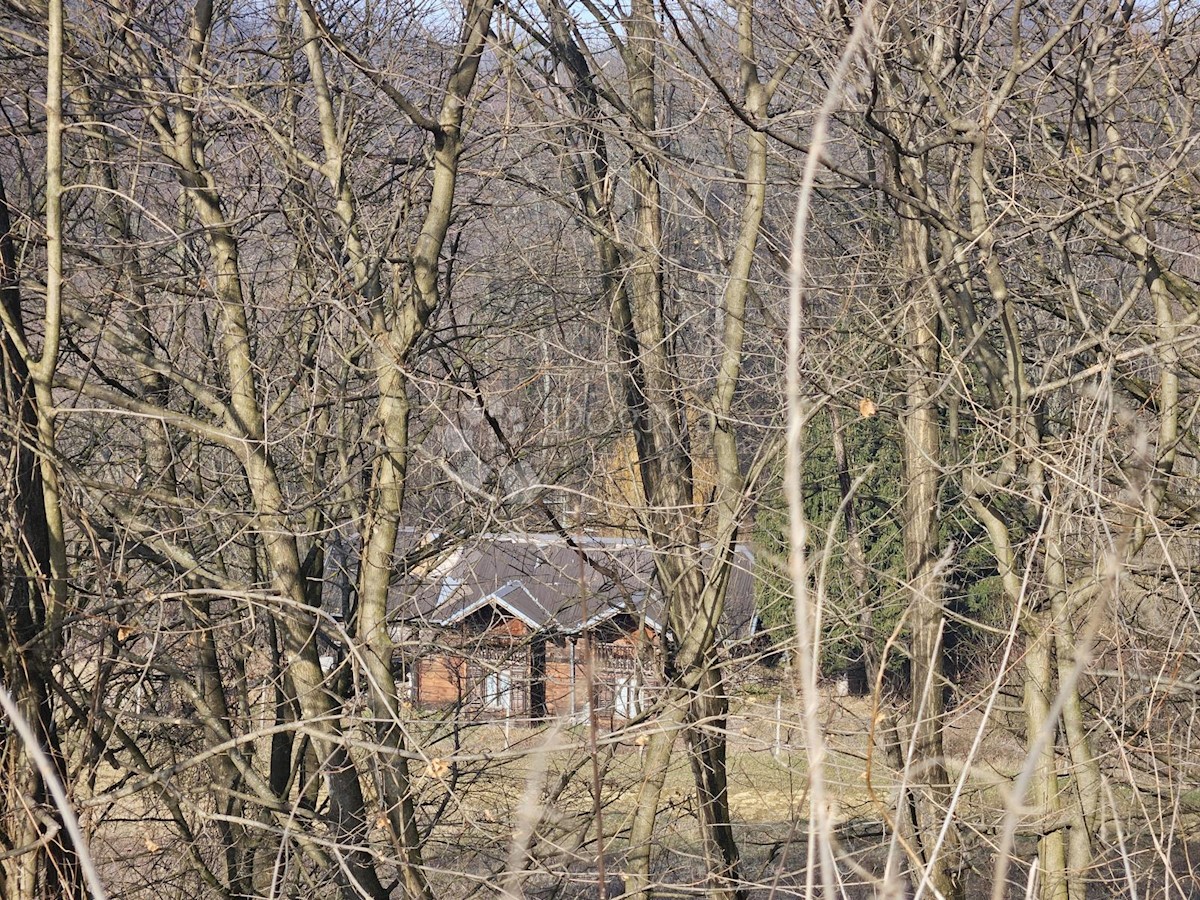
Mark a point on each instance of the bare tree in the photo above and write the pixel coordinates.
(300, 301)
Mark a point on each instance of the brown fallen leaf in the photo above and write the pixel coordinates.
(866, 407)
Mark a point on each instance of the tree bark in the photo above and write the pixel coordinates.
(48, 868)
(922, 452)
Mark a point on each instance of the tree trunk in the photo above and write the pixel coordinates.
(922, 474)
(46, 869)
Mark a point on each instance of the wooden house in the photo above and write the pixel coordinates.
(538, 626)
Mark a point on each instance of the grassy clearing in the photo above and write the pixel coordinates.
(767, 766)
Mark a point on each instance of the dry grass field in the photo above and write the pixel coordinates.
(480, 783)
(492, 770)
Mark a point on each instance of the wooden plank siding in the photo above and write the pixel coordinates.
(504, 671)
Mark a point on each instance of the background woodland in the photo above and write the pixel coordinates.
(270, 270)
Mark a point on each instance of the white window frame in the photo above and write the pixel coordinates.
(629, 697)
(498, 690)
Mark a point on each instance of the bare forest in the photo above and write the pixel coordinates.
(599, 449)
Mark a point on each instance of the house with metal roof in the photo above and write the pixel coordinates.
(537, 626)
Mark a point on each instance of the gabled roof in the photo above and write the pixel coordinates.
(553, 586)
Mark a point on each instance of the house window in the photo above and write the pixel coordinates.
(628, 697)
(497, 690)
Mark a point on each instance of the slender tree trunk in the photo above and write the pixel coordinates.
(1085, 768)
(655, 764)
(392, 344)
(922, 551)
(45, 869)
(867, 664)
(707, 742)
(35, 590)
(1041, 738)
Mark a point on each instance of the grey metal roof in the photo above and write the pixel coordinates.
(553, 586)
